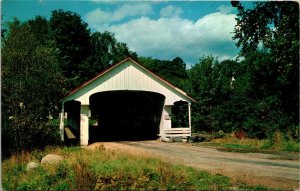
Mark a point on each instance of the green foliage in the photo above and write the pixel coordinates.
(31, 88)
(72, 38)
(82, 55)
(40, 28)
(41, 61)
(268, 36)
(202, 79)
(258, 95)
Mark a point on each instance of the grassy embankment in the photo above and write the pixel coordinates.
(229, 142)
(103, 169)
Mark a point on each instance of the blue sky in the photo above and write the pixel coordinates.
(159, 29)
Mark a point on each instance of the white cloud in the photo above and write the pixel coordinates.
(100, 17)
(169, 37)
(171, 11)
(216, 26)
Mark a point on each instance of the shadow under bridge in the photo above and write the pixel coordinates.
(125, 115)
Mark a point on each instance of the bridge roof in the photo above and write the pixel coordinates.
(126, 75)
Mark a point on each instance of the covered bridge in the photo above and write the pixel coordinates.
(126, 100)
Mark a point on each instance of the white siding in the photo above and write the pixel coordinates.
(127, 76)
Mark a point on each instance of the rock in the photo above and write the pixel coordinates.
(51, 158)
(32, 165)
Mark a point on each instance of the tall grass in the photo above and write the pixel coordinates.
(103, 169)
(279, 142)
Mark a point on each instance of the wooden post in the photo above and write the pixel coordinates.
(62, 123)
(84, 130)
(190, 117)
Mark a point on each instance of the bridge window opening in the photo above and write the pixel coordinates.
(72, 121)
(180, 117)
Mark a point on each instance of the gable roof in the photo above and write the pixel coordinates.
(120, 63)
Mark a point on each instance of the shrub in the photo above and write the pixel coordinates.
(240, 134)
(219, 134)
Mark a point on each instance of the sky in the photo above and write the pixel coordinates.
(157, 29)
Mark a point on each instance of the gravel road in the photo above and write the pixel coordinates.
(249, 168)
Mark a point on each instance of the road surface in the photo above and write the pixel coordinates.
(248, 168)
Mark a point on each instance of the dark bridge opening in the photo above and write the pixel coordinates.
(125, 115)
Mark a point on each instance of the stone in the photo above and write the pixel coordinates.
(32, 165)
(51, 158)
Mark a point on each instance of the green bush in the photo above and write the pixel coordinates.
(219, 134)
(281, 141)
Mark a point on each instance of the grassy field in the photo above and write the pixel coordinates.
(103, 169)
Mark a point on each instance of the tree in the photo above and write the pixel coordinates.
(268, 36)
(82, 54)
(72, 38)
(31, 87)
(39, 27)
(227, 79)
(201, 83)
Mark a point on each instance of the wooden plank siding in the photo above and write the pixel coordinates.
(128, 76)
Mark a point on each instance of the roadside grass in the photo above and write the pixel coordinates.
(103, 169)
(233, 144)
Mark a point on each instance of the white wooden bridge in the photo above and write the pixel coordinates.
(125, 91)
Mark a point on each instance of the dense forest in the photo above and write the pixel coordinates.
(43, 59)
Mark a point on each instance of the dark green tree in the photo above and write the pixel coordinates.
(72, 38)
(227, 77)
(202, 88)
(31, 88)
(40, 27)
(82, 54)
(268, 36)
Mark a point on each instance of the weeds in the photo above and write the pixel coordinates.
(279, 142)
(105, 170)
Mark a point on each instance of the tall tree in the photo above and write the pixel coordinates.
(31, 87)
(82, 54)
(226, 80)
(39, 26)
(268, 36)
(72, 38)
(201, 83)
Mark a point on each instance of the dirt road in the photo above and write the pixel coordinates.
(249, 168)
